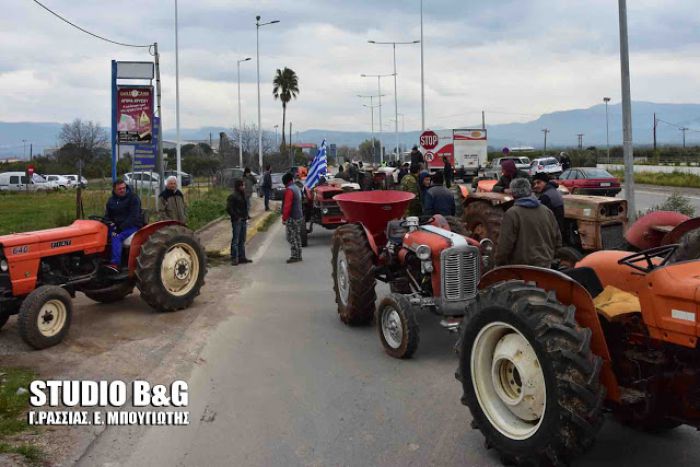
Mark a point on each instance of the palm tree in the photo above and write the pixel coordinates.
(285, 86)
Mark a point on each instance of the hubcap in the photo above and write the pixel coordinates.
(391, 327)
(508, 380)
(343, 277)
(180, 269)
(51, 318)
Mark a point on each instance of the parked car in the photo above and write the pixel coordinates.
(277, 187)
(493, 169)
(59, 181)
(74, 180)
(138, 180)
(18, 181)
(590, 181)
(548, 165)
(225, 177)
(185, 177)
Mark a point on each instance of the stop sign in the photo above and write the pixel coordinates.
(30, 170)
(429, 139)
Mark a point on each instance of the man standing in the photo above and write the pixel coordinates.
(238, 210)
(249, 182)
(448, 171)
(171, 202)
(124, 211)
(267, 186)
(550, 197)
(509, 172)
(417, 157)
(292, 216)
(529, 232)
(564, 161)
(403, 171)
(409, 183)
(438, 199)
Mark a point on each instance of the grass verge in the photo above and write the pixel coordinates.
(12, 413)
(676, 179)
(268, 221)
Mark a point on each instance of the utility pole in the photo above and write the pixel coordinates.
(684, 130)
(291, 148)
(607, 127)
(545, 131)
(628, 149)
(655, 123)
(580, 141)
(178, 147)
(422, 72)
(159, 153)
(483, 120)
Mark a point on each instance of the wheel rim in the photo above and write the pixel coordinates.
(343, 277)
(508, 381)
(52, 317)
(180, 269)
(391, 327)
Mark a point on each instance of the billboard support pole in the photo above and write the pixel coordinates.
(159, 151)
(114, 120)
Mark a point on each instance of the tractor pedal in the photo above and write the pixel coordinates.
(630, 396)
(451, 324)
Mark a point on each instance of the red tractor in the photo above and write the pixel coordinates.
(41, 271)
(320, 208)
(429, 264)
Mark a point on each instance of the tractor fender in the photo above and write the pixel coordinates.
(674, 236)
(568, 292)
(494, 199)
(371, 241)
(647, 231)
(140, 238)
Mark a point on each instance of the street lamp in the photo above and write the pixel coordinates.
(379, 93)
(396, 98)
(545, 131)
(422, 71)
(371, 106)
(178, 144)
(607, 127)
(240, 118)
(258, 25)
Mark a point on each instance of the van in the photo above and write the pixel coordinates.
(18, 181)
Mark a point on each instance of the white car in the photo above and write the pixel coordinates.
(74, 180)
(139, 180)
(548, 165)
(59, 181)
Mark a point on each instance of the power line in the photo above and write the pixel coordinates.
(88, 32)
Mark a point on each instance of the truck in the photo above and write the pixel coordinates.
(465, 148)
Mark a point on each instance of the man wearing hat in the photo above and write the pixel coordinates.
(549, 196)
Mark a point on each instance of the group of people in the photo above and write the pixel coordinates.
(431, 195)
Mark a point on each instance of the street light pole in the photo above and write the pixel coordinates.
(628, 149)
(258, 25)
(24, 149)
(396, 97)
(240, 118)
(545, 131)
(607, 127)
(379, 93)
(422, 71)
(178, 144)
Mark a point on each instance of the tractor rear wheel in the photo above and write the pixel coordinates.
(353, 278)
(397, 326)
(111, 294)
(45, 316)
(4, 316)
(456, 225)
(688, 247)
(483, 220)
(529, 377)
(170, 268)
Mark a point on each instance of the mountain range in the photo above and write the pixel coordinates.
(563, 126)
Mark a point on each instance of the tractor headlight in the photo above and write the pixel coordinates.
(423, 252)
(486, 247)
(4, 266)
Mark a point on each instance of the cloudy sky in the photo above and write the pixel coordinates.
(514, 58)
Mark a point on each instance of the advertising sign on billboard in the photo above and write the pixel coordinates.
(135, 114)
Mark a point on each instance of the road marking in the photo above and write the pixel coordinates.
(272, 232)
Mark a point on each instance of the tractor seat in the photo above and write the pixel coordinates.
(127, 241)
(588, 278)
(395, 231)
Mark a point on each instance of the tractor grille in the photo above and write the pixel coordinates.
(611, 235)
(460, 273)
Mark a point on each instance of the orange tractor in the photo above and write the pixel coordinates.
(41, 271)
(429, 264)
(543, 354)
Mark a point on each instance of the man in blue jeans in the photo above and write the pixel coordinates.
(237, 208)
(267, 186)
(124, 211)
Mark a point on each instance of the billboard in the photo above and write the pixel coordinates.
(135, 114)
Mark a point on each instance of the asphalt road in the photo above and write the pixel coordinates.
(285, 383)
(647, 196)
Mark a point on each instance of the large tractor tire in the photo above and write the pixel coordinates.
(45, 316)
(456, 225)
(111, 294)
(4, 316)
(529, 377)
(688, 247)
(483, 220)
(397, 326)
(171, 268)
(353, 278)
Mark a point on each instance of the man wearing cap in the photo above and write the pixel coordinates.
(549, 196)
(529, 232)
(509, 172)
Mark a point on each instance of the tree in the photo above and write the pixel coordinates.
(366, 152)
(285, 86)
(85, 138)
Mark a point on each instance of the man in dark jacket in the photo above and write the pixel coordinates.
(550, 197)
(237, 208)
(438, 199)
(171, 202)
(529, 232)
(124, 211)
(409, 183)
(267, 186)
(564, 161)
(449, 172)
(403, 171)
(417, 157)
(509, 172)
(292, 217)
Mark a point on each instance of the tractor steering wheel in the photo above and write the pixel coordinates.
(104, 220)
(664, 252)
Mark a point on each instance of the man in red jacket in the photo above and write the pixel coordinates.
(292, 216)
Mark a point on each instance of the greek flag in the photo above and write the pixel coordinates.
(319, 167)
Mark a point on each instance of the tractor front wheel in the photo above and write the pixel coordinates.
(45, 316)
(171, 268)
(397, 326)
(353, 278)
(529, 377)
(483, 220)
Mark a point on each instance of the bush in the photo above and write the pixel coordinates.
(676, 202)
